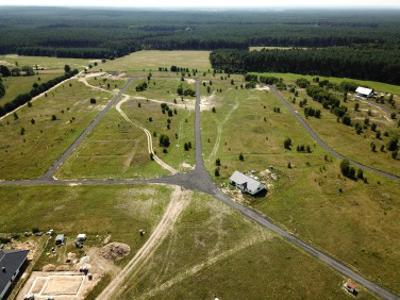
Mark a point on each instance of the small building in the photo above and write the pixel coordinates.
(246, 183)
(81, 237)
(351, 287)
(11, 263)
(364, 92)
(60, 239)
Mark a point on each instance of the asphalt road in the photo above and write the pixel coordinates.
(200, 180)
(325, 146)
(57, 164)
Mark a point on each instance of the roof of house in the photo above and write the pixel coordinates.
(364, 91)
(251, 183)
(11, 261)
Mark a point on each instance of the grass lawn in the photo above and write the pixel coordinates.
(153, 59)
(214, 251)
(23, 84)
(357, 225)
(378, 86)
(114, 149)
(97, 211)
(31, 143)
(49, 63)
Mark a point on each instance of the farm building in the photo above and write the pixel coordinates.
(11, 263)
(246, 183)
(364, 92)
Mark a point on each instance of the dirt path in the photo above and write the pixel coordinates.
(179, 200)
(220, 126)
(197, 268)
(148, 134)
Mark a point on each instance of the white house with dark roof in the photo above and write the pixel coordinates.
(246, 183)
(364, 92)
(11, 263)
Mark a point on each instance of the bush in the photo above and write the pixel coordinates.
(92, 101)
(287, 143)
(164, 141)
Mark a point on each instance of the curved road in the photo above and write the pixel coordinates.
(199, 179)
(325, 146)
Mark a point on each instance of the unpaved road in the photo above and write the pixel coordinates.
(179, 200)
(150, 149)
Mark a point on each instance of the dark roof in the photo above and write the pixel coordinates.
(11, 261)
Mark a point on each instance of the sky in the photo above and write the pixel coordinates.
(210, 3)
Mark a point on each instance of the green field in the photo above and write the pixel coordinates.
(378, 86)
(306, 199)
(98, 211)
(153, 59)
(213, 251)
(28, 149)
(48, 63)
(23, 84)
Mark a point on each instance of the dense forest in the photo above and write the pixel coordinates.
(361, 63)
(107, 33)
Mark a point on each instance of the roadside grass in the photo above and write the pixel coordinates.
(98, 211)
(378, 86)
(346, 141)
(215, 252)
(27, 149)
(351, 220)
(23, 84)
(49, 63)
(181, 130)
(114, 149)
(153, 59)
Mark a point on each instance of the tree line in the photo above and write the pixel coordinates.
(102, 33)
(35, 91)
(367, 64)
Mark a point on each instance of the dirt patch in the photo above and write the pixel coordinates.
(115, 251)
(49, 268)
(190, 80)
(208, 102)
(262, 88)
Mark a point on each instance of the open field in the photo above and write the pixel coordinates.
(213, 252)
(344, 138)
(378, 86)
(48, 63)
(153, 59)
(23, 84)
(312, 188)
(32, 140)
(115, 149)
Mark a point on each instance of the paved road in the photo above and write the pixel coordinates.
(325, 146)
(200, 180)
(57, 164)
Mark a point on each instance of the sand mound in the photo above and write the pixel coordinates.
(115, 251)
(49, 268)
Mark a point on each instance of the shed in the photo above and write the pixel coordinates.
(246, 183)
(81, 237)
(60, 238)
(364, 92)
(11, 263)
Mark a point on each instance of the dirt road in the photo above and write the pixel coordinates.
(179, 200)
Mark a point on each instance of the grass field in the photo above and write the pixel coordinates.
(344, 138)
(29, 147)
(114, 149)
(357, 225)
(23, 84)
(97, 211)
(49, 63)
(153, 59)
(378, 86)
(214, 252)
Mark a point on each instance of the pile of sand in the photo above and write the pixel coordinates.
(49, 268)
(115, 251)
